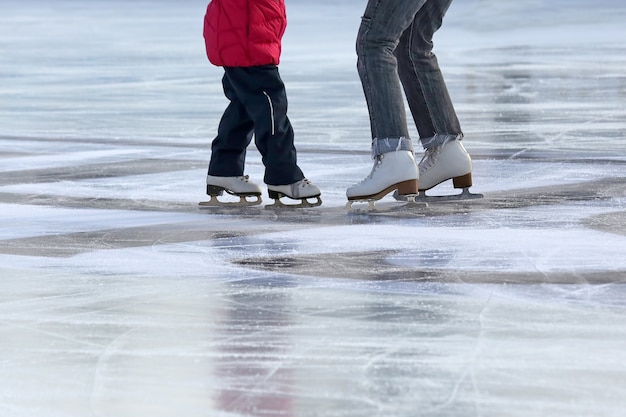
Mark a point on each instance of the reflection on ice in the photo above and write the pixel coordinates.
(250, 348)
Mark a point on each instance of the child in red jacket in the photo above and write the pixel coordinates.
(244, 37)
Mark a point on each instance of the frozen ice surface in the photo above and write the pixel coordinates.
(120, 297)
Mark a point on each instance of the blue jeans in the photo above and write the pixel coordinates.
(394, 49)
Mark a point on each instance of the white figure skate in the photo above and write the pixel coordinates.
(241, 187)
(442, 163)
(303, 190)
(391, 171)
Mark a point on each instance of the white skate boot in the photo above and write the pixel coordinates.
(241, 187)
(395, 170)
(302, 190)
(445, 162)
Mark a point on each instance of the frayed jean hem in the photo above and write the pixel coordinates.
(382, 146)
(439, 139)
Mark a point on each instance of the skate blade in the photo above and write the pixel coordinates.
(371, 206)
(411, 205)
(304, 203)
(465, 195)
(243, 202)
(423, 197)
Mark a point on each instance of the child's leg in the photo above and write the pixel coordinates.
(233, 137)
(262, 92)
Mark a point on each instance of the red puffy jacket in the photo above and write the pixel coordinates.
(244, 33)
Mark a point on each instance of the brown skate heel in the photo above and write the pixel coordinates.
(404, 188)
(464, 181)
(407, 187)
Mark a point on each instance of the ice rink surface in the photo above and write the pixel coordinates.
(120, 297)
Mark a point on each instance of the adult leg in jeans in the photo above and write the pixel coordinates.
(429, 101)
(382, 25)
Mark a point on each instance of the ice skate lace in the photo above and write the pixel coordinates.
(430, 157)
(304, 183)
(377, 161)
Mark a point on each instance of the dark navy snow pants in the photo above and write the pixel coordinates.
(258, 107)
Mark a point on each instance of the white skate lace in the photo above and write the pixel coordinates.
(430, 157)
(377, 161)
(303, 183)
(432, 154)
